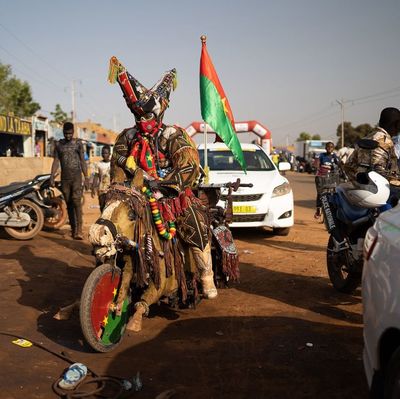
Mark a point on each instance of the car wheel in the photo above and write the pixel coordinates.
(392, 378)
(281, 231)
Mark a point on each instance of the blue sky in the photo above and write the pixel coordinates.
(283, 63)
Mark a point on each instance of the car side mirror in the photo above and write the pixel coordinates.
(283, 166)
(368, 144)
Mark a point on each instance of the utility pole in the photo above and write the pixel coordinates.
(341, 103)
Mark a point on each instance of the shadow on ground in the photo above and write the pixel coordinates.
(49, 284)
(267, 238)
(305, 203)
(247, 357)
(292, 289)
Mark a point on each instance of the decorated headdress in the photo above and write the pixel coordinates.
(139, 99)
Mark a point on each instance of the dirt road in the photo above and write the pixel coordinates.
(282, 332)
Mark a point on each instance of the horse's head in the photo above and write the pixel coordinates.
(124, 209)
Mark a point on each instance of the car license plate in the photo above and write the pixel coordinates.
(244, 209)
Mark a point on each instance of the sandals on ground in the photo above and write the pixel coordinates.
(72, 376)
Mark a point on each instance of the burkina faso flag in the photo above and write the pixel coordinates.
(215, 108)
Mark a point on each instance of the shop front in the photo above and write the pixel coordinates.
(41, 128)
(15, 137)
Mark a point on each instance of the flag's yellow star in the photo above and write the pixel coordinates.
(225, 104)
(114, 292)
(149, 157)
(105, 320)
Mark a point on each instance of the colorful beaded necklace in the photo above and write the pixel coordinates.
(155, 211)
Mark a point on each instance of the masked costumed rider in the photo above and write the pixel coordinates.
(163, 152)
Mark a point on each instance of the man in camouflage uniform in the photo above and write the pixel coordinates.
(382, 159)
(165, 152)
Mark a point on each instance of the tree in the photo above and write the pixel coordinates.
(59, 115)
(316, 137)
(304, 136)
(352, 134)
(15, 95)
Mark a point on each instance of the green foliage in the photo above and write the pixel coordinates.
(59, 115)
(316, 137)
(352, 134)
(15, 95)
(304, 136)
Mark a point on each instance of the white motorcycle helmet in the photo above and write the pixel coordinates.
(370, 191)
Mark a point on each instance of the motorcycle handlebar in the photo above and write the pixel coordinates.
(235, 185)
(160, 183)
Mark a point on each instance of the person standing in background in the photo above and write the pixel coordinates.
(69, 153)
(101, 180)
(37, 148)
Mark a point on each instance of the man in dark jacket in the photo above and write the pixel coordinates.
(68, 153)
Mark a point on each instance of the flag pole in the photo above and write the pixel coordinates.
(203, 39)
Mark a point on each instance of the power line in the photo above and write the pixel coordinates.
(305, 119)
(34, 52)
(376, 99)
(43, 79)
(357, 101)
(375, 95)
(41, 59)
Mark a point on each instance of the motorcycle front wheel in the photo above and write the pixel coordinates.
(102, 328)
(342, 277)
(35, 224)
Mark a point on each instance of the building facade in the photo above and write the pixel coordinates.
(15, 136)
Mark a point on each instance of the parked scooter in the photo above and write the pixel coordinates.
(20, 214)
(348, 214)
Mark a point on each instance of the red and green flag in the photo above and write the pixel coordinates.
(215, 108)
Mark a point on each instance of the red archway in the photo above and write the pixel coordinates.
(245, 126)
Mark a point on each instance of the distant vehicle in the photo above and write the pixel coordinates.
(310, 150)
(381, 305)
(269, 203)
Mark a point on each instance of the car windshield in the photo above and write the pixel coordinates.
(224, 160)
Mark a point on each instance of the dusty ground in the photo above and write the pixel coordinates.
(249, 343)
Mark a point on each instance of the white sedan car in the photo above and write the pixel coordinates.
(269, 203)
(381, 302)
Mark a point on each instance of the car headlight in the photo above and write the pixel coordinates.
(283, 189)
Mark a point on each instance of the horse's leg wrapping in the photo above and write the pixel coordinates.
(127, 275)
(204, 265)
(135, 323)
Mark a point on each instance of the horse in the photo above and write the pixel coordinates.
(140, 259)
(153, 264)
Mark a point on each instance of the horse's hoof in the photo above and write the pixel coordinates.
(210, 294)
(134, 325)
(209, 290)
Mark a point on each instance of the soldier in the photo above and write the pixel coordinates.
(382, 159)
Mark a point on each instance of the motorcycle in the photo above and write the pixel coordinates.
(102, 322)
(349, 212)
(20, 212)
(301, 164)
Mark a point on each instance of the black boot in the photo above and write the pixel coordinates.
(78, 234)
